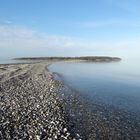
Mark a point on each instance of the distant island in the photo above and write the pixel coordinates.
(86, 58)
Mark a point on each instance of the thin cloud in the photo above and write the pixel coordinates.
(108, 23)
(6, 22)
(17, 41)
(22, 41)
(29, 38)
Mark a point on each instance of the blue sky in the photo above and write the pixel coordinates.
(69, 27)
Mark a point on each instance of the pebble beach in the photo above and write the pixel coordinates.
(30, 107)
(35, 106)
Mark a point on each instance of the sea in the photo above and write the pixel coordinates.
(112, 83)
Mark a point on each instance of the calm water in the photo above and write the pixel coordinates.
(116, 83)
(10, 61)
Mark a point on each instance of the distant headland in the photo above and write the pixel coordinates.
(86, 58)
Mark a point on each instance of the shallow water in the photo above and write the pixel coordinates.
(115, 83)
(7, 61)
(12, 61)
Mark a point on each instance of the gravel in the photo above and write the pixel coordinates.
(30, 106)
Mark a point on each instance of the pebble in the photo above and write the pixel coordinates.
(30, 108)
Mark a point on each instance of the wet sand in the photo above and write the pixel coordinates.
(33, 105)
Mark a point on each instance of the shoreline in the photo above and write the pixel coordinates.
(94, 120)
(34, 105)
(97, 120)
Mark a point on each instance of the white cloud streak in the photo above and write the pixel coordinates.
(16, 41)
(110, 23)
(23, 41)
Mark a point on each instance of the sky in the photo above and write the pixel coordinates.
(30, 28)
